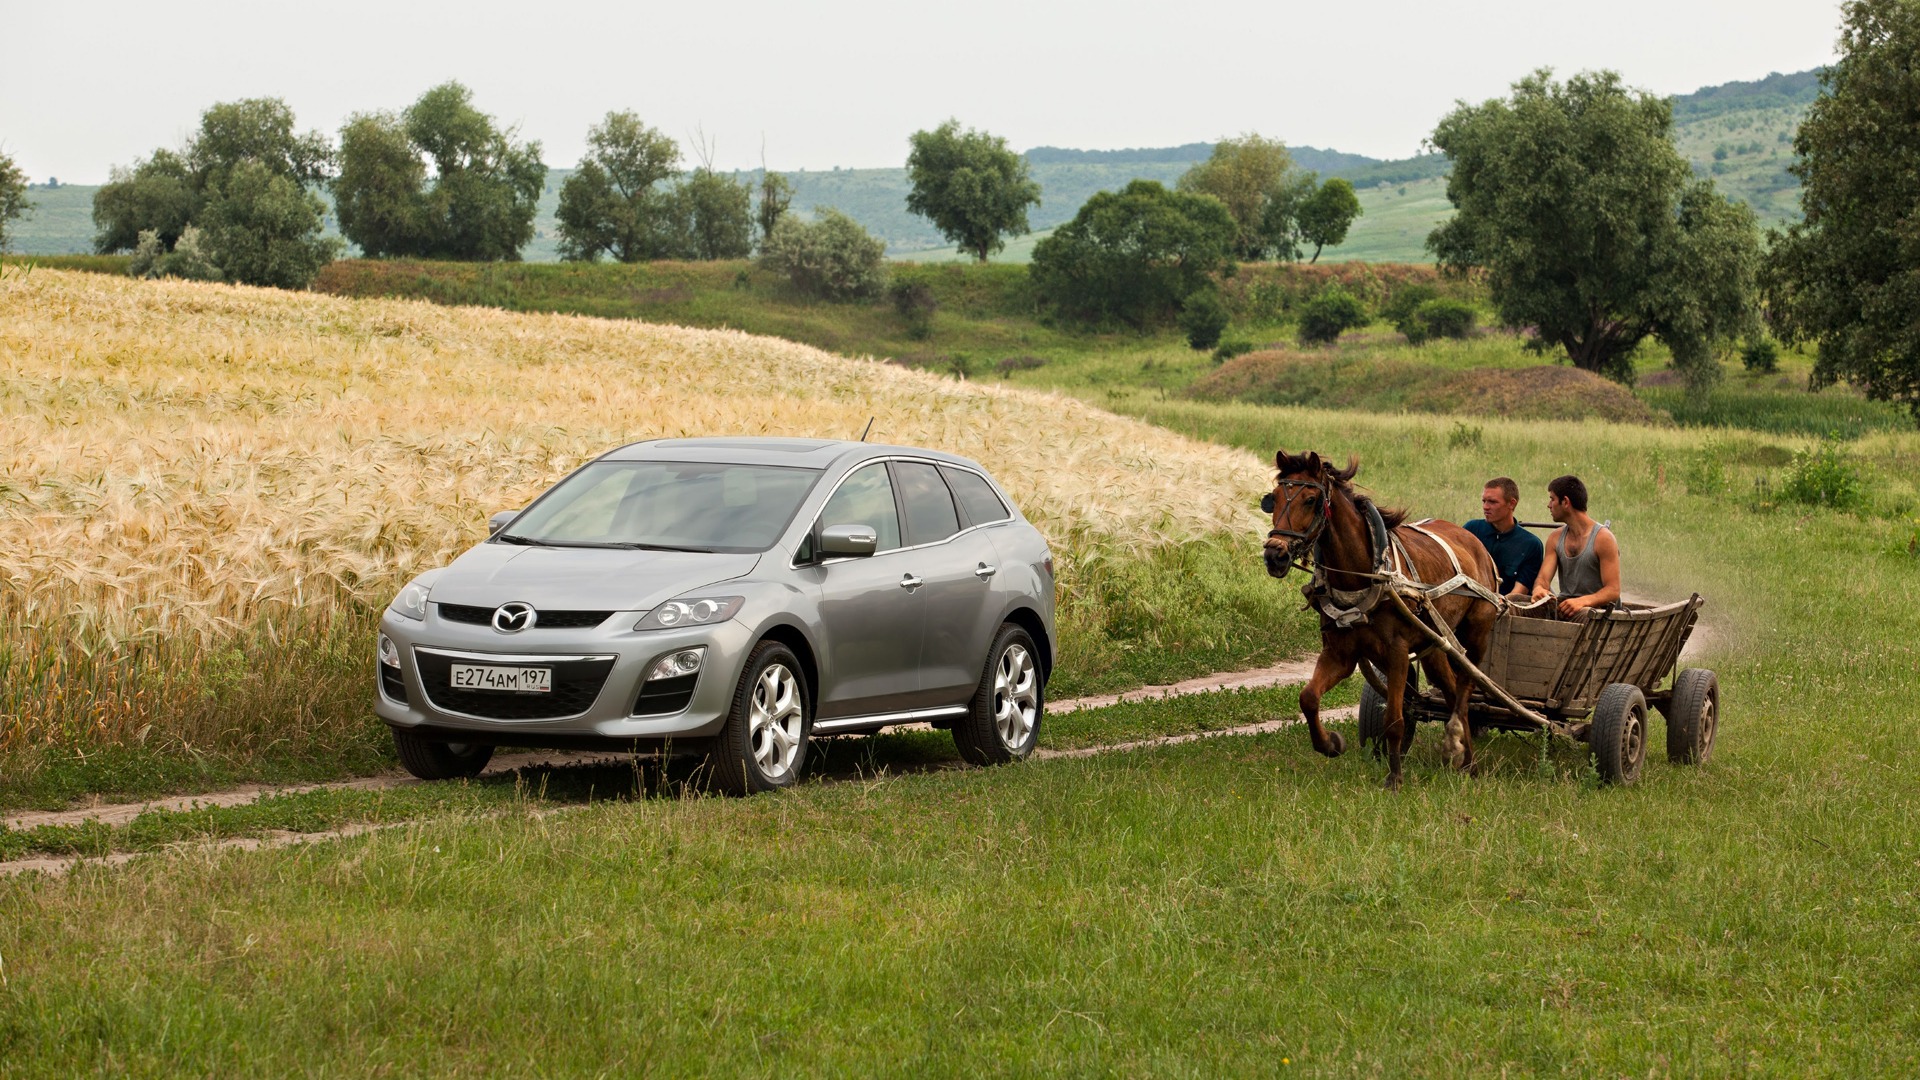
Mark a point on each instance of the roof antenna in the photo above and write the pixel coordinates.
(869, 427)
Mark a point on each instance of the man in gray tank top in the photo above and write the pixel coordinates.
(1581, 549)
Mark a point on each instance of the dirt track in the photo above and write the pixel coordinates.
(1286, 673)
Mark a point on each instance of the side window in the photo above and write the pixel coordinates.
(976, 496)
(930, 514)
(866, 499)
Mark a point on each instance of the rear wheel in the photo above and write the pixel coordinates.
(432, 759)
(763, 745)
(1693, 716)
(1618, 736)
(1373, 708)
(1003, 723)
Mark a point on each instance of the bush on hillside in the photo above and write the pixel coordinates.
(1439, 318)
(1203, 318)
(915, 303)
(1400, 304)
(832, 258)
(1825, 475)
(1760, 356)
(1133, 256)
(1332, 313)
(188, 260)
(1230, 349)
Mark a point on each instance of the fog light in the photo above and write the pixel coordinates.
(389, 652)
(677, 665)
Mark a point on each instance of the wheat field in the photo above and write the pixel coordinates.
(207, 488)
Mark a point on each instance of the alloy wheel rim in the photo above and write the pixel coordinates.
(1016, 697)
(775, 721)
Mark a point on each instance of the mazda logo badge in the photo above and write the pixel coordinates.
(513, 618)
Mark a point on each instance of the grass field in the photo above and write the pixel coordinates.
(1232, 906)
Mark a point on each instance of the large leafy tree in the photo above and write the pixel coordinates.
(1256, 180)
(1135, 255)
(1590, 228)
(973, 189)
(1325, 215)
(718, 212)
(13, 199)
(440, 181)
(244, 180)
(1847, 276)
(615, 203)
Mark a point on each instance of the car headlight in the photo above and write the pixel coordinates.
(701, 611)
(412, 601)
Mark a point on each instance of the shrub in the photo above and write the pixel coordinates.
(1332, 313)
(1825, 475)
(188, 259)
(1446, 318)
(832, 258)
(1760, 356)
(916, 304)
(1019, 363)
(1132, 256)
(1203, 318)
(1400, 304)
(1230, 349)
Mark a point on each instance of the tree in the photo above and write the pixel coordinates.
(263, 228)
(613, 203)
(1847, 276)
(776, 194)
(241, 185)
(719, 216)
(1255, 178)
(1135, 255)
(973, 189)
(832, 258)
(13, 199)
(1573, 199)
(1326, 214)
(484, 190)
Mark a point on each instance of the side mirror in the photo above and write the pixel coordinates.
(837, 540)
(499, 520)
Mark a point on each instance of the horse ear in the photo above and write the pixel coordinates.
(1314, 464)
(1280, 458)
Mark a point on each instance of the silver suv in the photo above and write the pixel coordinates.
(734, 597)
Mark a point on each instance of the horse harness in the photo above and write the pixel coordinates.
(1393, 567)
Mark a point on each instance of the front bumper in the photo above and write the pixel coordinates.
(426, 648)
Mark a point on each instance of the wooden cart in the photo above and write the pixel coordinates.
(1590, 681)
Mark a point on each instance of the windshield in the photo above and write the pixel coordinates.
(671, 505)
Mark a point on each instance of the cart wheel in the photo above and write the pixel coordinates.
(1618, 737)
(1693, 717)
(1373, 710)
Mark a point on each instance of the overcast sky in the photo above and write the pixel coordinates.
(84, 86)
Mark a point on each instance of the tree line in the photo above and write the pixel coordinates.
(1572, 202)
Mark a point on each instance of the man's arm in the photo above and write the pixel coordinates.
(1527, 573)
(1605, 546)
(1548, 559)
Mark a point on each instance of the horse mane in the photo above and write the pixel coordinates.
(1342, 480)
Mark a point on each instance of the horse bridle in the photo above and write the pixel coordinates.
(1299, 544)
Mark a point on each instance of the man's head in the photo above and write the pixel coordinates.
(1566, 496)
(1498, 501)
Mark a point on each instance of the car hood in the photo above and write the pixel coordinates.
(581, 579)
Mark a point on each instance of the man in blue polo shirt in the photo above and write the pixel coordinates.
(1517, 553)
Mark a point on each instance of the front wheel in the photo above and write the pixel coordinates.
(1618, 736)
(1693, 716)
(430, 759)
(1003, 722)
(763, 744)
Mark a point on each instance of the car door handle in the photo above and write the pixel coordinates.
(986, 571)
(910, 583)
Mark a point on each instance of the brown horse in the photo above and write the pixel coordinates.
(1317, 515)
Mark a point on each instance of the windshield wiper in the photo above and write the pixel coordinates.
(527, 541)
(637, 546)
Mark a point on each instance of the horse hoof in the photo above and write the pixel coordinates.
(1392, 782)
(1337, 744)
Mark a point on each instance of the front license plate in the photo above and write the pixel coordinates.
(525, 680)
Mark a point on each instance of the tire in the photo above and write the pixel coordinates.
(431, 759)
(1618, 736)
(1693, 717)
(763, 744)
(1003, 722)
(1373, 710)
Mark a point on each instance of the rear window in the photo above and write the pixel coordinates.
(977, 497)
(930, 513)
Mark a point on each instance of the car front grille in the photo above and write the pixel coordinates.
(544, 620)
(576, 683)
(662, 696)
